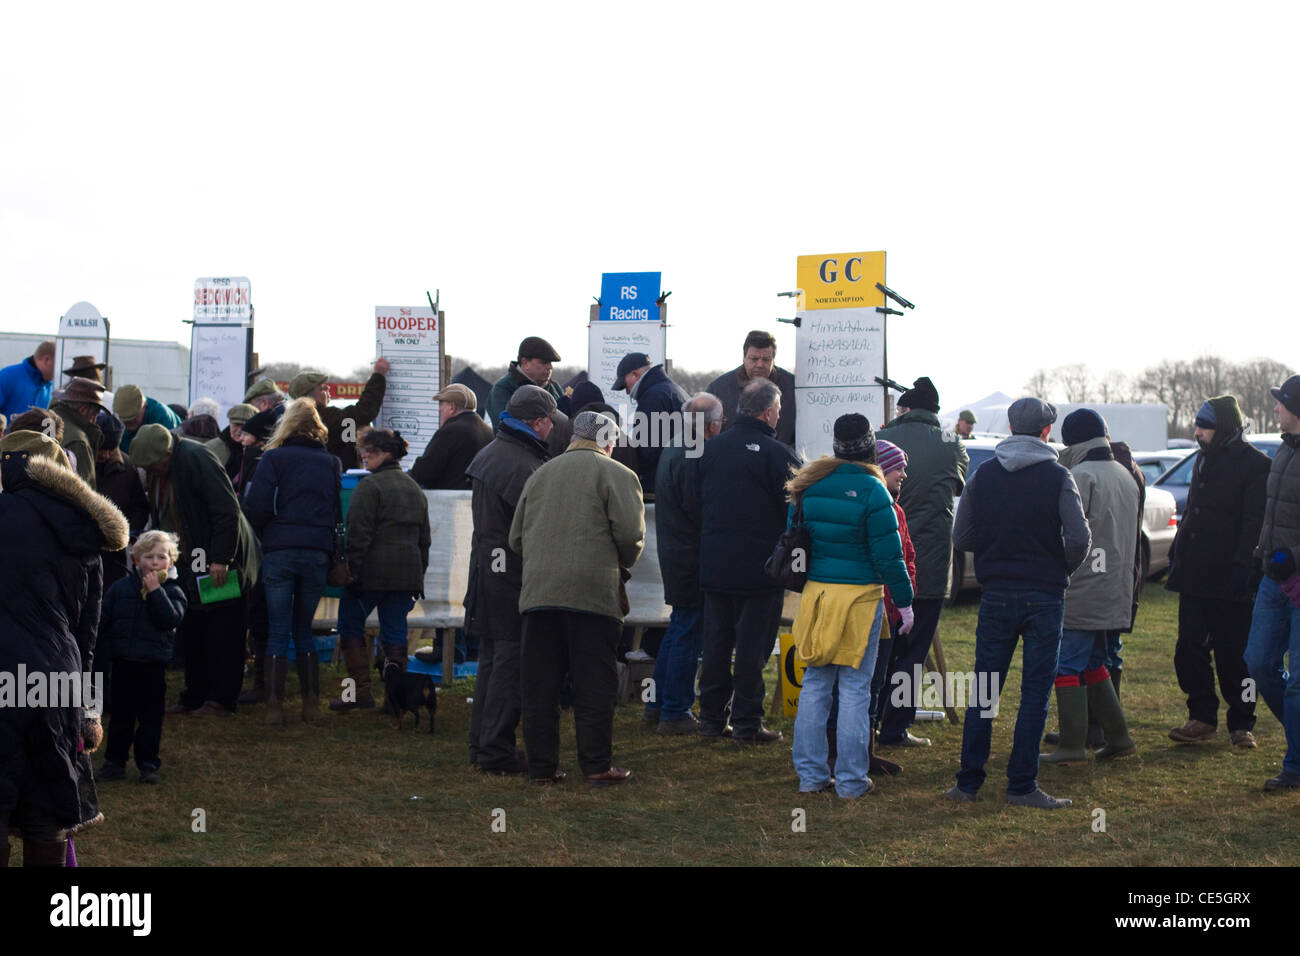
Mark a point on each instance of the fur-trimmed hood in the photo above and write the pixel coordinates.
(66, 484)
(815, 471)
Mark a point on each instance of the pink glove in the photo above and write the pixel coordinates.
(1291, 588)
(909, 616)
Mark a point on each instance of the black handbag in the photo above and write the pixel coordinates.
(339, 574)
(788, 564)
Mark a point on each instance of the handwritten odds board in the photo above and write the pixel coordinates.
(608, 342)
(219, 366)
(838, 353)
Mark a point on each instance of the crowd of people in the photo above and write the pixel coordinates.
(140, 534)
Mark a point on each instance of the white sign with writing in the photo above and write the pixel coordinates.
(838, 354)
(219, 366)
(82, 331)
(608, 342)
(411, 338)
(223, 300)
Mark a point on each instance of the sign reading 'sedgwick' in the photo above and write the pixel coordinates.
(839, 344)
(223, 300)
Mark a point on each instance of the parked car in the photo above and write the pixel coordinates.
(1178, 479)
(1156, 463)
(1159, 525)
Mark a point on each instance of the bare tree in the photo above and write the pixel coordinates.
(1038, 384)
(1074, 381)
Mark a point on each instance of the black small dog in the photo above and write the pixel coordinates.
(404, 691)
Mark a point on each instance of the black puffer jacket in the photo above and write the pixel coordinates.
(138, 626)
(1211, 556)
(56, 527)
(677, 527)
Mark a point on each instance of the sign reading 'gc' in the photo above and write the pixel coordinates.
(843, 280)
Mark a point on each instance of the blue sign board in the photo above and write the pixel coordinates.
(628, 296)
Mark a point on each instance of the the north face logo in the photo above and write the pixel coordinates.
(851, 493)
(752, 447)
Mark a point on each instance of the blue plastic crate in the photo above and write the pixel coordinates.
(325, 644)
(468, 669)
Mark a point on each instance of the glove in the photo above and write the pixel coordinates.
(909, 617)
(1281, 566)
(92, 734)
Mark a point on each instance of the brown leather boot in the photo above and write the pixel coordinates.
(257, 693)
(357, 662)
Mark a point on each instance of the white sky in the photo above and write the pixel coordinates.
(1110, 183)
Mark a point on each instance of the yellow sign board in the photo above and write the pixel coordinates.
(845, 280)
(790, 675)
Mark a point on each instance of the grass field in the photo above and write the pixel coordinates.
(352, 790)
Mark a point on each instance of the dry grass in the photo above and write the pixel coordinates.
(353, 791)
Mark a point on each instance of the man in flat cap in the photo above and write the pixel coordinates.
(965, 424)
(460, 436)
(532, 367)
(264, 394)
(137, 410)
(342, 442)
(227, 446)
(78, 406)
(191, 495)
(1022, 517)
(497, 475)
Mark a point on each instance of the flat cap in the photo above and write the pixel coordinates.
(128, 402)
(150, 445)
(966, 415)
(241, 413)
(536, 347)
(1029, 416)
(462, 396)
(529, 402)
(263, 386)
(304, 382)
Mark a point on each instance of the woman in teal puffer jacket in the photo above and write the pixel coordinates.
(856, 551)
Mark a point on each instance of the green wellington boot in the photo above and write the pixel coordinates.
(1072, 708)
(1104, 702)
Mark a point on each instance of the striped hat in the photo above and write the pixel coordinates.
(889, 456)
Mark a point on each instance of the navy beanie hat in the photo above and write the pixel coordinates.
(1082, 425)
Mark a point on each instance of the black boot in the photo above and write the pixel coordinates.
(45, 854)
(257, 693)
(309, 686)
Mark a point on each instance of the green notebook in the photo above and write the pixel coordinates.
(209, 593)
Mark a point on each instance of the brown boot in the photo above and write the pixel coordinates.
(257, 693)
(309, 686)
(357, 662)
(277, 669)
(880, 764)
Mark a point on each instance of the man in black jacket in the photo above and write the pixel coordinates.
(677, 528)
(742, 476)
(758, 361)
(460, 437)
(498, 474)
(343, 423)
(658, 417)
(191, 495)
(1213, 573)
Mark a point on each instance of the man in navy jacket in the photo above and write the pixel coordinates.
(659, 399)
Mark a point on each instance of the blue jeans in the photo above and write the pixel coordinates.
(1006, 616)
(295, 581)
(355, 607)
(1275, 631)
(676, 663)
(853, 723)
(1081, 651)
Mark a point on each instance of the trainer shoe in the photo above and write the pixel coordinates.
(959, 795)
(907, 740)
(1193, 731)
(1286, 780)
(149, 775)
(1037, 798)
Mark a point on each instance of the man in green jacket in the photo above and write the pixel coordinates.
(936, 474)
(573, 604)
(533, 367)
(343, 423)
(137, 410)
(191, 495)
